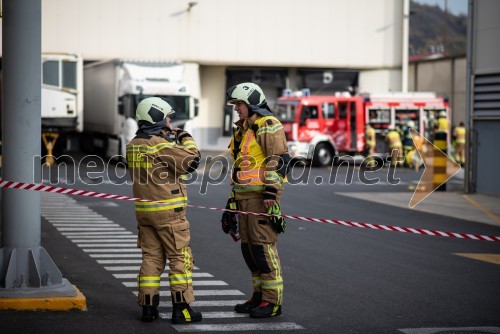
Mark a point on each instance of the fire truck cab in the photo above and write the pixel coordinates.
(318, 128)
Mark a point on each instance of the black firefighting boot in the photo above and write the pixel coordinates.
(265, 310)
(150, 311)
(250, 303)
(182, 313)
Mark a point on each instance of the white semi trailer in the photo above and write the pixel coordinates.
(114, 88)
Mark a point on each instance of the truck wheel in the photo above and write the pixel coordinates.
(323, 155)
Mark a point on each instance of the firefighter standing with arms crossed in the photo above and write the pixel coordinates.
(157, 158)
(260, 154)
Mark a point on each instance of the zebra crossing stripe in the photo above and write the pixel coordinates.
(202, 293)
(111, 250)
(164, 275)
(120, 261)
(134, 244)
(95, 256)
(90, 234)
(166, 283)
(267, 326)
(210, 315)
(206, 303)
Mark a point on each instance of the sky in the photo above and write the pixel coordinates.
(454, 6)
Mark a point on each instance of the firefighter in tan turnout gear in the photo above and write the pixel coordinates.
(157, 158)
(260, 154)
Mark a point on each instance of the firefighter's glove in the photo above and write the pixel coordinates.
(277, 222)
(229, 220)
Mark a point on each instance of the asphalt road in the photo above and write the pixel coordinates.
(337, 279)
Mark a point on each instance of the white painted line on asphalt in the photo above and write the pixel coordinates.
(268, 326)
(123, 268)
(97, 237)
(112, 250)
(96, 234)
(116, 256)
(134, 268)
(86, 215)
(132, 245)
(80, 221)
(119, 261)
(105, 240)
(495, 330)
(210, 315)
(197, 293)
(164, 275)
(206, 303)
(85, 225)
(91, 229)
(195, 283)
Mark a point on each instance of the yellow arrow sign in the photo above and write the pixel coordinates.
(438, 168)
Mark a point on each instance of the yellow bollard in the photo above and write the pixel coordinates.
(439, 170)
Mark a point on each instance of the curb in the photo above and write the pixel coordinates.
(46, 303)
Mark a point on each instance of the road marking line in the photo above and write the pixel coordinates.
(119, 261)
(491, 330)
(97, 237)
(198, 293)
(133, 268)
(116, 256)
(97, 234)
(105, 240)
(131, 245)
(91, 229)
(268, 326)
(166, 283)
(485, 211)
(203, 303)
(85, 225)
(165, 275)
(210, 315)
(111, 250)
(490, 258)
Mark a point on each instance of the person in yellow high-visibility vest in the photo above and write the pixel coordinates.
(371, 143)
(260, 154)
(442, 122)
(459, 134)
(393, 139)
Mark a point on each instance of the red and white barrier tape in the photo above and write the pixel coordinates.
(68, 191)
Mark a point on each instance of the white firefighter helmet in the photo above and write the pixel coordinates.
(247, 92)
(153, 110)
(411, 124)
(442, 113)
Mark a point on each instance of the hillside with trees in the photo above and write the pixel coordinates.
(435, 31)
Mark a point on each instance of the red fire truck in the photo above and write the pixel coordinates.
(318, 127)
